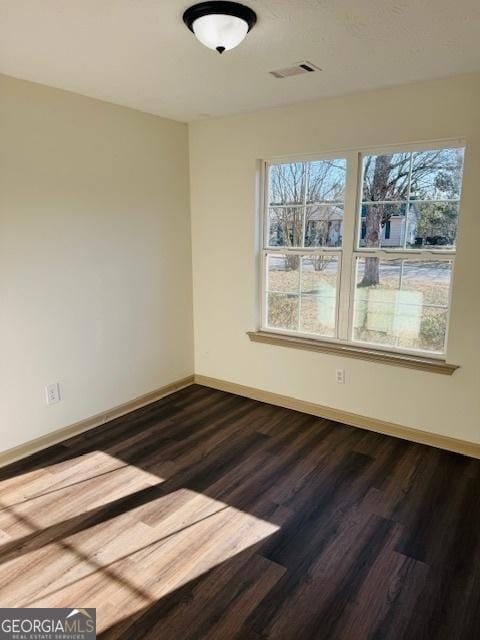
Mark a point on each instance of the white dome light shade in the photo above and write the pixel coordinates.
(220, 31)
(220, 25)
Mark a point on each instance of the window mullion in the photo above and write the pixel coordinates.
(407, 209)
(299, 292)
(348, 242)
(304, 217)
(302, 244)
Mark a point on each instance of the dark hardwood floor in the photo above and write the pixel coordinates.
(208, 515)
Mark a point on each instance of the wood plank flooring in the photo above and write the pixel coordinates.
(210, 516)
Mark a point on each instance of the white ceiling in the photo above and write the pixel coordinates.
(138, 53)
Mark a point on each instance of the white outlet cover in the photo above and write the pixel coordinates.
(52, 393)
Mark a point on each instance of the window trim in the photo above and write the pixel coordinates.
(350, 249)
(410, 361)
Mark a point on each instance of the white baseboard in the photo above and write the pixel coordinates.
(464, 447)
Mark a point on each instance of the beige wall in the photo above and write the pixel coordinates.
(223, 167)
(95, 257)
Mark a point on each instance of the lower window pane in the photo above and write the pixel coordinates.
(402, 303)
(282, 273)
(301, 293)
(317, 315)
(282, 311)
(433, 328)
(318, 303)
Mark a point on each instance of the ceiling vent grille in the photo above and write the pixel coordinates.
(299, 68)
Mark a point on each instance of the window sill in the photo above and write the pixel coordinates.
(432, 365)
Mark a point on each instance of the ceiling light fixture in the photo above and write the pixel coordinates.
(220, 25)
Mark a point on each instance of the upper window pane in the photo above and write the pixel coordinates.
(326, 180)
(411, 200)
(390, 232)
(306, 203)
(285, 226)
(437, 175)
(287, 183)
(323, 225)
(432, 225)
(386, 177)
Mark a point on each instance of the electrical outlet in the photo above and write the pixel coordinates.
(340, 376)
(52, 393)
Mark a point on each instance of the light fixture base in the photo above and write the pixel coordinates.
(216, 7)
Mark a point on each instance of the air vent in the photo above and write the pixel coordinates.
(297, 69)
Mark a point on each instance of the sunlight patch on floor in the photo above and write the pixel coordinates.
(131, 557)
(89, 482)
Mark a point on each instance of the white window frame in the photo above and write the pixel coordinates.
(350, 250)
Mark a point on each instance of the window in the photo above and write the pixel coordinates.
(364, 260)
